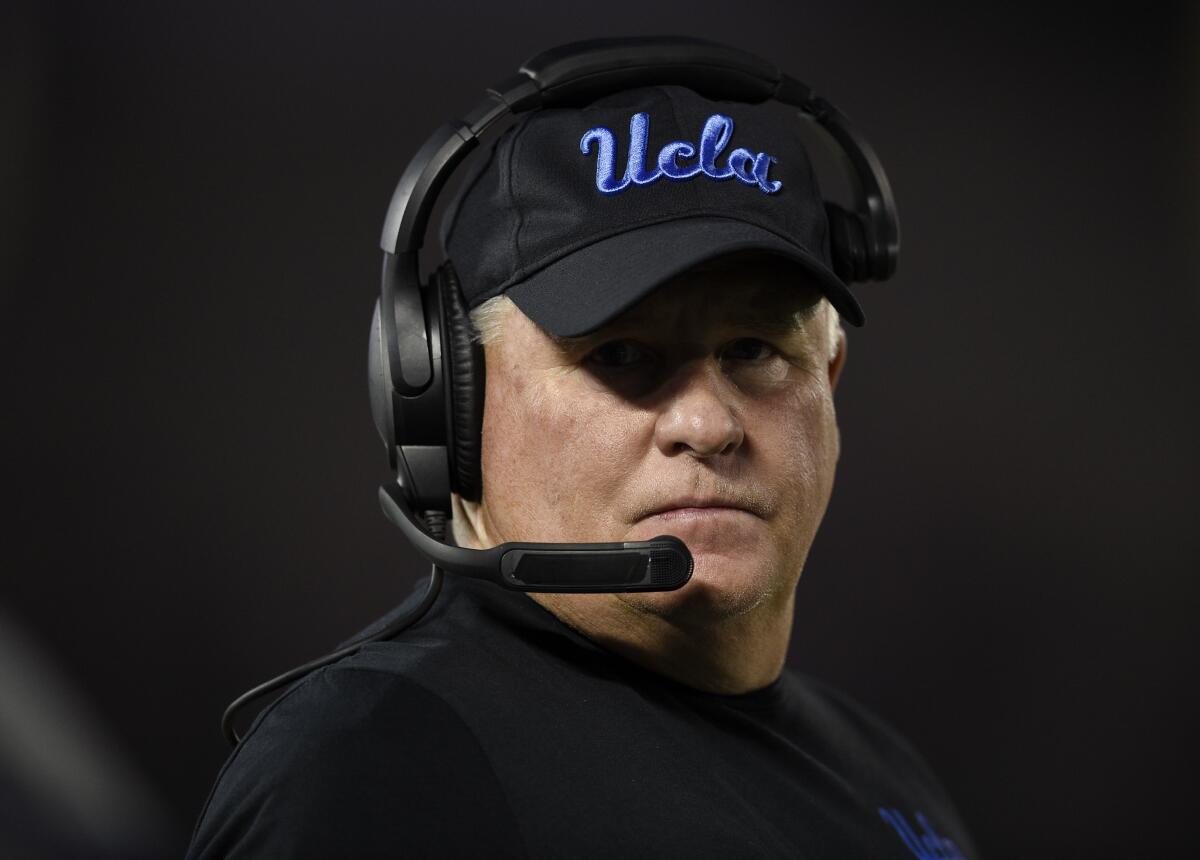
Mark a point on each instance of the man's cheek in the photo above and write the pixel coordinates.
(803, 467)
(812, 427)
(591, 461)
(580, 421)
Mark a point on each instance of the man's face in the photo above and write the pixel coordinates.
(708, 387)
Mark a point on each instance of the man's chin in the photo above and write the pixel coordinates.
(720, 588)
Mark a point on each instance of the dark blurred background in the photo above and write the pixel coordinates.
(1007, 570)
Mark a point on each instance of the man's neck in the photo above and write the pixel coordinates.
(728, 656)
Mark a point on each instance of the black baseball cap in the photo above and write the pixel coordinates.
(576, 214)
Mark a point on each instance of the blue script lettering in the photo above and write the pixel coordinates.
(749, 167)
(929, 845)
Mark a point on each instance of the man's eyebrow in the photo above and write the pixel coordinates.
(777, 321)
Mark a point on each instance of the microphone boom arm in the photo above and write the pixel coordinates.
(661, 564)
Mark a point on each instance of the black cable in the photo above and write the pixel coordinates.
(436, 523)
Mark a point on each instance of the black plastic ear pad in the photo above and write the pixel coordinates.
(848, 244)
(466, 375)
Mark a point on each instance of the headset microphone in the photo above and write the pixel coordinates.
(661, 564)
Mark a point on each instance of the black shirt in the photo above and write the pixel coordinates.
(492, 729)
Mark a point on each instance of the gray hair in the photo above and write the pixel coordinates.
(488, 320)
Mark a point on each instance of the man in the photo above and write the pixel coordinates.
(662, 350)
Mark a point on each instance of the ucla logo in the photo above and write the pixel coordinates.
(749, 167)
(926, 845)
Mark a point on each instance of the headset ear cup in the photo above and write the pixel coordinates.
(379, 381)
(848, 244)
(466, 376)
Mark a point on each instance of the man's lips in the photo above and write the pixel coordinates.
(702, 506)
(690, 513)
(713, 505)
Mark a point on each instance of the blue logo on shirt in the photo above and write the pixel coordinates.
(749, 167)
(928, 845)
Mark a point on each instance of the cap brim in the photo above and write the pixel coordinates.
(585, 289)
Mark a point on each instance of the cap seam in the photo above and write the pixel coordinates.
(524, 272)
(674, 108)
(512, 195)
(450, 217)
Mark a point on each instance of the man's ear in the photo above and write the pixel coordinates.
(839, 359)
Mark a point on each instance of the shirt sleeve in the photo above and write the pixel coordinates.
(356, 762)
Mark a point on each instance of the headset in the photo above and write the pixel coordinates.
(425, 365)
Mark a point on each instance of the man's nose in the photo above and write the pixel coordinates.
(699, 416)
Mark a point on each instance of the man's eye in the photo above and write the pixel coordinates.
(749, 349)
(618, 354)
